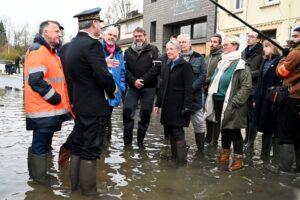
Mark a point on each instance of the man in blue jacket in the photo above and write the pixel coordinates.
(113, 51)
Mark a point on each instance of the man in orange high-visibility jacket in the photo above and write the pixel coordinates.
(288, 116)
(46, 97)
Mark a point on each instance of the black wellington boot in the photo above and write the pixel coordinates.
(275, 143)
(173, 147)
(200, 137)
(87, 177)
(38, 166)
(266, 143)
(140, 138)
(74, 172)
(286, 157)
(29, 161)
(181, 152)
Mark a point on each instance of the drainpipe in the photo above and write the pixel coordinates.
(216, 17)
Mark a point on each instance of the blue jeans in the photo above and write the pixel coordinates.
(40, 140)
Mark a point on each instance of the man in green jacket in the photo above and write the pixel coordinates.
(212, 60)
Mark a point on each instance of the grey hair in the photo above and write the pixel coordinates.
(85, 24)
(174, 43)
(233, 40)
(45, 24)
(111, 28)
(185, 36)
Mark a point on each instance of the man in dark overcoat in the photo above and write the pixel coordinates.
(92, 84)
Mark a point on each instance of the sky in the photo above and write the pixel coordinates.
(32, 12)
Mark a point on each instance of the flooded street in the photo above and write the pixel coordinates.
(132, 173)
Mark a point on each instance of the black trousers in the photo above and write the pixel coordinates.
(229, 135)
(288, 122)
(176, 132)
(218, 106)
(251, 130)
(232, 136)
(87, 139)
(132, 97)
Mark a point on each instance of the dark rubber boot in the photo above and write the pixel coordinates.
(209, 129)
(181, 152)
(215, 133)
(74, 172)
(286, 157)
(173, 147)
(199, 137)
(87, 177)
(128, 137)
(275, 143)
(140, 138)
(29, 161)
(38, 166)
(128, 123)
(266, 144)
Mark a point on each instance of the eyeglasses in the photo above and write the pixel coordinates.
(251, 36)
(226, 45)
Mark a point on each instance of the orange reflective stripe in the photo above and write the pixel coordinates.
(282, 71)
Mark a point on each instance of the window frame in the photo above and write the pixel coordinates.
(192, 29)
(235, 4)
(153, 32)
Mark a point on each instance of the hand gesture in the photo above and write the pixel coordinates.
(112, 63)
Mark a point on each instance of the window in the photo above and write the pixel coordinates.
(131, 26)
(199, 30)
(270, 33)
(238, 4)
(153, 31)
(185, 29)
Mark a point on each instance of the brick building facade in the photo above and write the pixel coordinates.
(163, 18)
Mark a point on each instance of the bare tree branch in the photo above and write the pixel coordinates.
(118, 9)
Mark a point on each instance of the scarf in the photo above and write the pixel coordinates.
(250, 51)
(223, 65)
(138, 48)
(110, 48)
(187, 56)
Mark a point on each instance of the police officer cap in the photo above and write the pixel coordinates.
(91, 14)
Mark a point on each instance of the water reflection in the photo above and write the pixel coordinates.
(131, 173)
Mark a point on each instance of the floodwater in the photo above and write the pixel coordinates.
(132, 173)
